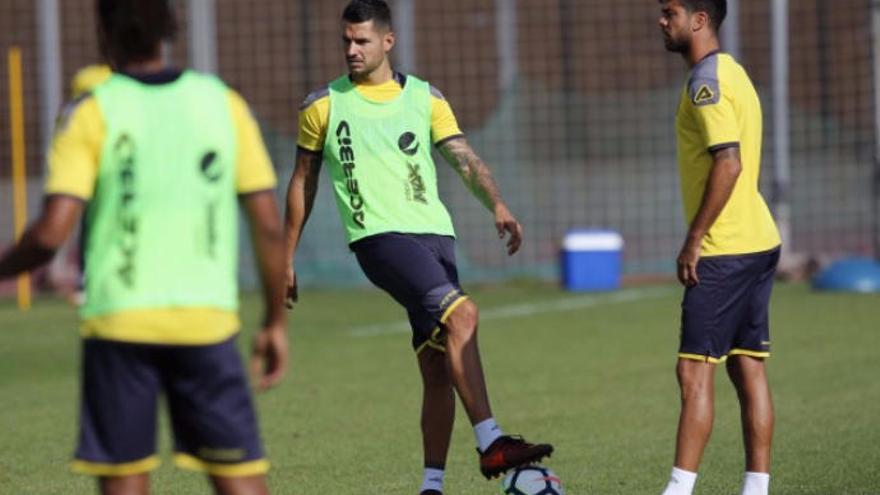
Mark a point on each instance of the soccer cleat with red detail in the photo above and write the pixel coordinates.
(508, 452)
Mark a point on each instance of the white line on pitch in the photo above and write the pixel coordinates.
(527, 309)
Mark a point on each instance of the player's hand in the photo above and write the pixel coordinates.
(505, 223)
(687, 261)
(292, 290)
(269, 356)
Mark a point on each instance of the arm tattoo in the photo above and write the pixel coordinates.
(473, 171)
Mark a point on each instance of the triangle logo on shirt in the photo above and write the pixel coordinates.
(704, 95)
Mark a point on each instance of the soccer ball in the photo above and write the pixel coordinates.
(532, 480)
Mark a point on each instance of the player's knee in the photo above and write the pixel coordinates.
(694, 378)
(463, 320)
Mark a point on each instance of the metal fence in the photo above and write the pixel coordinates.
(571, 102)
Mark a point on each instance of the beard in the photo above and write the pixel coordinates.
(674, 45)
(362, 69)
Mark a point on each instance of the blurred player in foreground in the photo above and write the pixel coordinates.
(731, 250)
(163, 157)
(374, 129)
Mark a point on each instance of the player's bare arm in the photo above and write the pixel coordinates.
(44, 237)
(270, 351)
(726, 168)
(478, 178)
(301, 194)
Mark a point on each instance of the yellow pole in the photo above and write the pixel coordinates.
(19, 174)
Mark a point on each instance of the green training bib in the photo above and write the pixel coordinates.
(379, 156)
(162, 226)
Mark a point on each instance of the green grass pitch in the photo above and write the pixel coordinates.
(593, 374)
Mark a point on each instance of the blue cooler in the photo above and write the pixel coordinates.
(591, 260)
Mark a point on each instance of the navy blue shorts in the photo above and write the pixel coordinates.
(727, 313)
(418, 271)
(208, 398)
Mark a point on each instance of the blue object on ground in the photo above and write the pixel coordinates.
(850, 275)
(591, 260)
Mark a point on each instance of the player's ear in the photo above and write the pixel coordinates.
(388, 41)
(699, 21)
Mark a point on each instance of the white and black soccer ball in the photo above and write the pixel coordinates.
(532, 480)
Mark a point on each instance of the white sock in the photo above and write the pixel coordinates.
(681, 482)
(433, 480)
(756, 483)
(486, 431)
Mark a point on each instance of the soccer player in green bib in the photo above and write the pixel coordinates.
(374, 128)
(160, 159)
(729, 257)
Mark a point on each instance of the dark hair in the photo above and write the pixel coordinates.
(359, 11)
(133, 30)
(715, 9)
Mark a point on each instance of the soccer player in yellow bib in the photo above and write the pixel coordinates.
(160, 160)
(374, 128)
(729, 257)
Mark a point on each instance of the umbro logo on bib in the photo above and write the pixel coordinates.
(416, 189)
(408, 144)
(210, 167)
